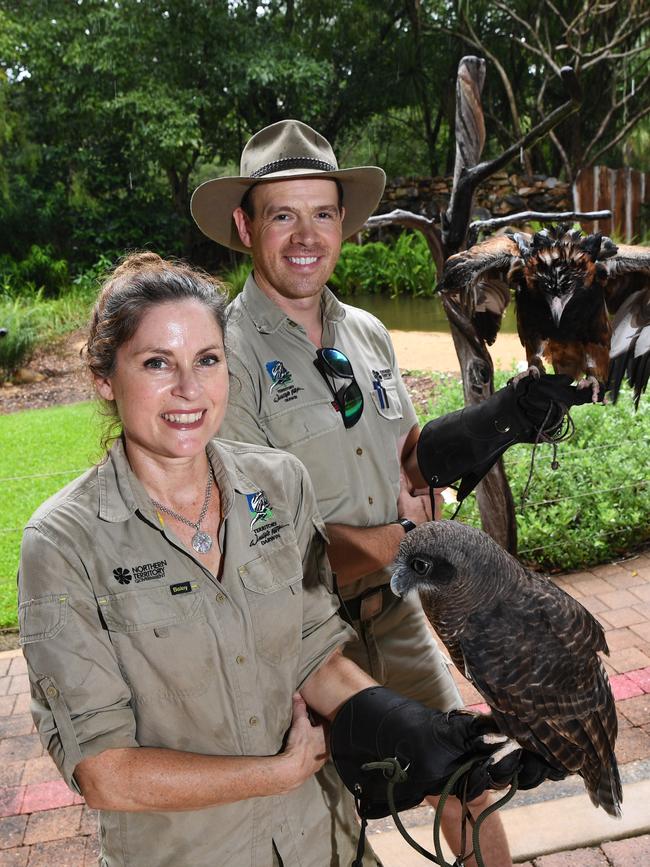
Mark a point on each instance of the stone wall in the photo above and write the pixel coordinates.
(625, 192)
(503, 193)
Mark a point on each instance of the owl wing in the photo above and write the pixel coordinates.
(535, 662)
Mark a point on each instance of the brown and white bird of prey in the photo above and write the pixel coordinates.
(567, 287)
(530, 649)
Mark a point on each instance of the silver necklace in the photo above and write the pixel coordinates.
(201, 541)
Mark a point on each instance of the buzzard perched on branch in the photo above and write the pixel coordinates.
(529, 648)
(567, 287)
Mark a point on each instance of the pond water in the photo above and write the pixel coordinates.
(415, 314)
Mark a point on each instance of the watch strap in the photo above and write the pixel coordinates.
(408, 525)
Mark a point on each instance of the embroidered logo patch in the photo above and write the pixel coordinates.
(380, 375)
(262, 525)
(181, 587)
(282, 387)
(259, 507)
(143, 572)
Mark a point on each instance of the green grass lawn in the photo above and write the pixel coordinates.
(41, 450)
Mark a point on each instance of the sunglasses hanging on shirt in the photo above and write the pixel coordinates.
(332, 364)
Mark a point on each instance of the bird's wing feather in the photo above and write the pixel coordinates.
(630, 345)
(555, 669)
(478, 278)
(627, 272)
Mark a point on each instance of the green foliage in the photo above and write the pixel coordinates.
(110, 113)
(39, 270)
(404, 267)
(237, 276)
(596, 506)
(30, 473)
(18, 344)
(32, 319)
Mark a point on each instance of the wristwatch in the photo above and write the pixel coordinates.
(408, 525)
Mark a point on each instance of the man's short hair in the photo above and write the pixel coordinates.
(247, 199)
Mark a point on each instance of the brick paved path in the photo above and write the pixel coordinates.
(43, 824)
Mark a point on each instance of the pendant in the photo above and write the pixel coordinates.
(201, 542)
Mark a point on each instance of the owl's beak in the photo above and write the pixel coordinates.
(398, 582)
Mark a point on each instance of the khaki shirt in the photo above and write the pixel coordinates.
(278, 398)
(131, 642)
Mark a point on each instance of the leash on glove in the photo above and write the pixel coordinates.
(395, 774)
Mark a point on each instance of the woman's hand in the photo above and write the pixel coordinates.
(306, 749)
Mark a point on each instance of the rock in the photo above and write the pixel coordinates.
(24, 375)
(551, 183)
(526, 191)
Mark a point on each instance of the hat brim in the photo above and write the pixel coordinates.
(214, 201)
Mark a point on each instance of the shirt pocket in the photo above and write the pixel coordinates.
(160, 641)
(273, 586)
(388, 404)
(310, 432)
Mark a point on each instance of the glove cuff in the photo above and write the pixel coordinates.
(358, 736)
(467, 443)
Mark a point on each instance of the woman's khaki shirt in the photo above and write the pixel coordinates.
(131, 642)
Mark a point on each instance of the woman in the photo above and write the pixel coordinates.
(176, 610)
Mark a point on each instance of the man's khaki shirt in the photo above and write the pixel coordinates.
(278, 398)
(131, 642)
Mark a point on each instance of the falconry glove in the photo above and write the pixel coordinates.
(466, 444)
(377, 724)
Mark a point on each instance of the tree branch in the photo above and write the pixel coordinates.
(423, 224)
(624, 131)
(479, 226)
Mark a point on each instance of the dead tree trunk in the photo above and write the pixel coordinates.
(493, 494)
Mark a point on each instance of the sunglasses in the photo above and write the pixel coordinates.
(333, 364)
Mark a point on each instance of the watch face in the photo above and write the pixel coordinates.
(408, 525)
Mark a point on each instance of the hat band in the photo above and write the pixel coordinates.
(293, 163)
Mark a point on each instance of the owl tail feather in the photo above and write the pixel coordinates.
(609, 794)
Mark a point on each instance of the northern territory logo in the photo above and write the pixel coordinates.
(282, 387)
(143, 572)
(262, 525)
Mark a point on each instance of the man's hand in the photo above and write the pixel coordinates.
(414, 505)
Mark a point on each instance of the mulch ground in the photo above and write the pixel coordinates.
(66, 380)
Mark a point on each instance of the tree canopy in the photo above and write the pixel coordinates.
(111, 111)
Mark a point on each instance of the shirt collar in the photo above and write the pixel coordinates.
(268, 317)
(121, 493)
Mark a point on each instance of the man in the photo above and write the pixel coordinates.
(320, 379)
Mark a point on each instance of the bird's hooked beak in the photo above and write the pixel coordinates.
(398, 582)
(557, 303)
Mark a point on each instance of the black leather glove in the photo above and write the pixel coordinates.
(465, 444)
(533, 770)
(377, 724)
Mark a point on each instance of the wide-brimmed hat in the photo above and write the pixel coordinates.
(287, 149)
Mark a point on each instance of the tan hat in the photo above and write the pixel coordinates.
(287, 149)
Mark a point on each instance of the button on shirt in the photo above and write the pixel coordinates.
(278, 398)
(131, 642)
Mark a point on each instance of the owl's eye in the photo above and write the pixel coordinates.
(420, 567)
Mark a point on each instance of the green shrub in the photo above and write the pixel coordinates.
(404, 267)
(18, 344)
(596, 506)
(237, 276)
(38, 271)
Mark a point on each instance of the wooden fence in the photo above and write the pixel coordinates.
(622, 191)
